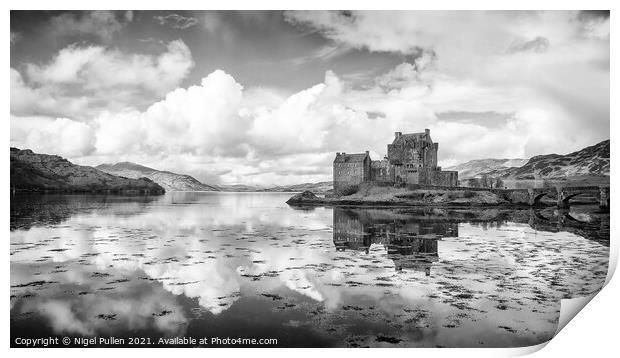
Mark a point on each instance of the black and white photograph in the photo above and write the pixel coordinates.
(306, 178)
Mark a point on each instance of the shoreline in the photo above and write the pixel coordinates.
(406, 204)
(368, 195)
(136, 192)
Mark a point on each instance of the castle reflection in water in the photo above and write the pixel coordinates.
(411, 244)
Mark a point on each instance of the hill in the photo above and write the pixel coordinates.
(170, 181)
(42, 172)
(320, 187)
(477, 167)
(592, 161)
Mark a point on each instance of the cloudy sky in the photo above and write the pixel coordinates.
(268, 97)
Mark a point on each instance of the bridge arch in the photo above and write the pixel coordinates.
(539, 197)
(565, 200)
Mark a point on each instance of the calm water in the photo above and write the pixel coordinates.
(248, 265)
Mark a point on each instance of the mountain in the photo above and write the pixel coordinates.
(239, 187)
(170, 181)
(477, 167)
(592, 160)
(320, 187)
(42, 172)
(589, 161)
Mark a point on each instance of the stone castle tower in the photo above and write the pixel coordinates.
(411, 159)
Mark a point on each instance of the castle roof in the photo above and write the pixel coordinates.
(350, 158)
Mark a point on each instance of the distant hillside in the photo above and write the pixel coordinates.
(170, 181)
(593, 160)
(320, 187)
(41, 172)
(478, 167)
(239, 188)
(590, 161)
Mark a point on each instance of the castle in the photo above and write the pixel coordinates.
(411, 159)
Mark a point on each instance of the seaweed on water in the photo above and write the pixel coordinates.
(392, 340)
(33, 284)
(272, 296)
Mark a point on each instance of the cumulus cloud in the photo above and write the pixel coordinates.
(82, 80)
(200, 119)
(534, 64)
(406, 74)
(96, 67)
(220, 119)
(61, 136)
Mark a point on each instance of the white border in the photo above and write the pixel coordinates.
(592, 332)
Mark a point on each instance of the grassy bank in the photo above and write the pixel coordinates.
(369, 194)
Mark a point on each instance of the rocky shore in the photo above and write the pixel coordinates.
(370, 195)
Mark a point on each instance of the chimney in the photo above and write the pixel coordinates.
(337, 153)
(367, 152)
(427, 131)
(397, 134)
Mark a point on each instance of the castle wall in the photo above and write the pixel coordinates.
(433, 155)
(445, 178)
(348, 174)
(428, 176)
(381, 171)
(411, 175)
(421, 154)
(483, 182)
(396, 154)
(404, 175)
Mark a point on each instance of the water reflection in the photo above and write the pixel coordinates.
(203, 264)
(411, 245)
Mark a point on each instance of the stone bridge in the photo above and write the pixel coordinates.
(534, 196)
(563, 195)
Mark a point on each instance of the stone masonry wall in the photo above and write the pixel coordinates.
(381, 171)
(347, 174)
(428, 176)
